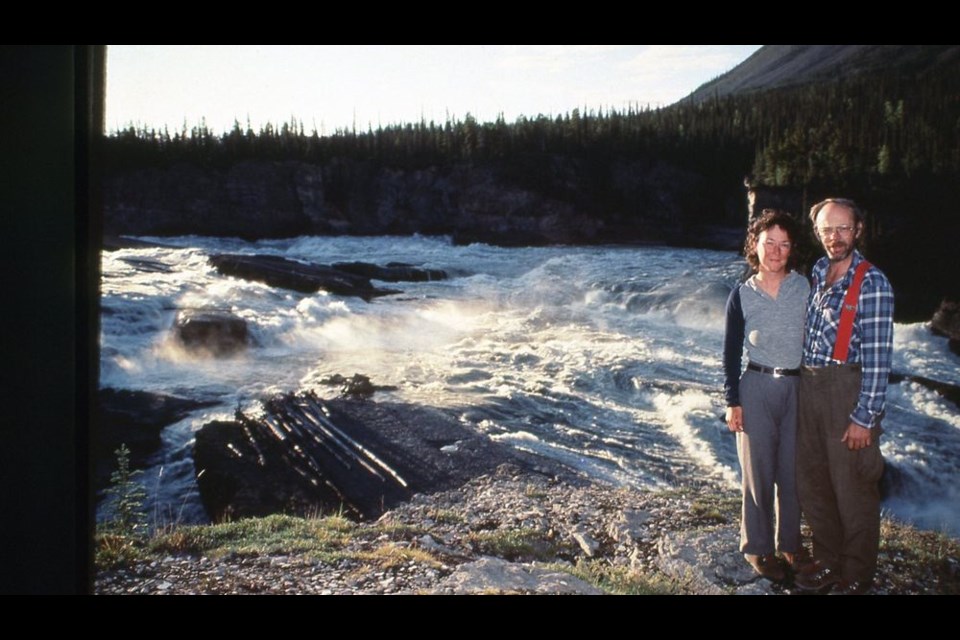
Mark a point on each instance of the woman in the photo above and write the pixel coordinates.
(765, 315)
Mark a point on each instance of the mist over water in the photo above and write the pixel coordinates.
(604, 358)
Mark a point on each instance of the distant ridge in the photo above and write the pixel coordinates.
(785, 65)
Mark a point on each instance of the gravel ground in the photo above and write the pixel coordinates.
(514, 531)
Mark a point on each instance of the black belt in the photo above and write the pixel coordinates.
(774, 371)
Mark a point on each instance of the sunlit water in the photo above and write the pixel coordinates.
(607, 359)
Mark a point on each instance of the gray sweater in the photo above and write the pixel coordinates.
(770, 329)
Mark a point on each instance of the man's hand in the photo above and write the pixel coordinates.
(856, 437)
(734, 418)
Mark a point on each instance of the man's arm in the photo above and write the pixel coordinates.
(875, 320)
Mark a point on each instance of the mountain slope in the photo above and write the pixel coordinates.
(784, 65)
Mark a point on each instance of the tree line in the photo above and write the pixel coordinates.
(876, 131)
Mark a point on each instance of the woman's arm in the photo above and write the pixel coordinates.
(733, 360)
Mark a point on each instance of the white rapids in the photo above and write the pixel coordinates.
(604, 358)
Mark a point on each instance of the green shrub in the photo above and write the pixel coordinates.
(127, 496)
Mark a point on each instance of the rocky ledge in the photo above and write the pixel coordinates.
(302, 454)
(516, 531)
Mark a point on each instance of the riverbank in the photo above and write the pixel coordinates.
(513, 531)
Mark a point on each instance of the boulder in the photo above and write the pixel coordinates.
(304, 277)
(708, 561)
(495, 576)
(215, 332)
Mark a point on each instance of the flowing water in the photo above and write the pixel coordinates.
(604, 358)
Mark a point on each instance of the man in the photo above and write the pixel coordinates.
(843, 384)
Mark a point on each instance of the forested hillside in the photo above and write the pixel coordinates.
(889, 138)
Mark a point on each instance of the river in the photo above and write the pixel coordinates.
(604, 358)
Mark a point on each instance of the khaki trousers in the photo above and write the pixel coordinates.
(839, 489)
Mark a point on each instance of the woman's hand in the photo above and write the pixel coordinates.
(734, 418)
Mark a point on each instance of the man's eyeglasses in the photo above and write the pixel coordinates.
(843, 230)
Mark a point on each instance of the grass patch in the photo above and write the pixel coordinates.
(620, 580)
(392, 556)
(715, 509)
(919, 559)
(396, 530)
(532, 491)
(445, 516)
(117, 550)
(324, 539)
(522, 545)
(254, 536)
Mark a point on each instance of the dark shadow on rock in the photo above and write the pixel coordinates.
(306, 455)
(134, 418)
(393, 272)
(946, 322)
(112, 243)
(357, 386)
(946, 390)
(891, 482)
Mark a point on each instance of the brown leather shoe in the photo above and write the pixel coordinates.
(767, 566)
(800, 562)
(819, 580)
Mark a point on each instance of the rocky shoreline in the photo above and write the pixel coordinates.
(518, 531)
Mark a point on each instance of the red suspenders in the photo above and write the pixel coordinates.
(848, 312)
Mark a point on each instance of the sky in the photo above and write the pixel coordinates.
(330, 87)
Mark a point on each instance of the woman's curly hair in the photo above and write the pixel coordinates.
(771, 218)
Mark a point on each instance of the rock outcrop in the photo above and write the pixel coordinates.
(307, 455)
(298, 276)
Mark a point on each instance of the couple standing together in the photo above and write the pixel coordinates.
(808, 407)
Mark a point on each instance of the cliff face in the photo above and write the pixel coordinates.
(249, 200)
(556, 204)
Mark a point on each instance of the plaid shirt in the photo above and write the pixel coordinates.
(871, 343)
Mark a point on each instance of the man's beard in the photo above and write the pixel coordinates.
(839, 251)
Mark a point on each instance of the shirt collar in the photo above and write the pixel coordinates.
(820, 269)
(787, 280)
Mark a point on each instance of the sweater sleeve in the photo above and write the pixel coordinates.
(733, 348)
